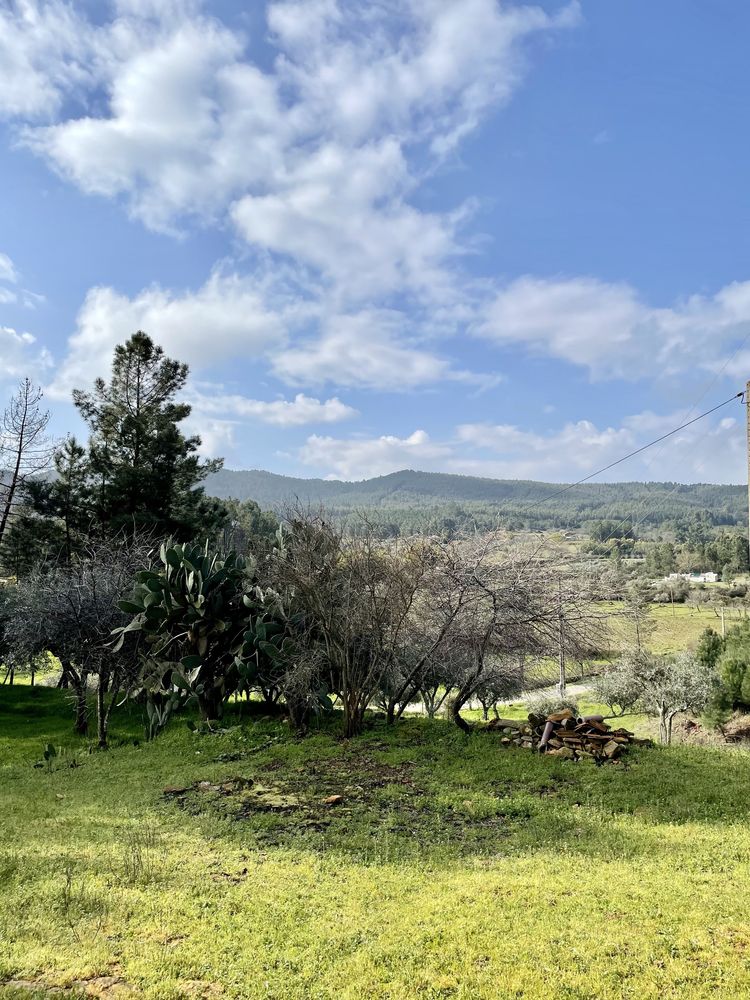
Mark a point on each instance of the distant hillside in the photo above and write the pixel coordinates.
(420, 495)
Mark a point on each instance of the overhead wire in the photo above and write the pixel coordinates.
(632, 454)
(662, 500)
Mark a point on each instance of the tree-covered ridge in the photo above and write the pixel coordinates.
(412, 500)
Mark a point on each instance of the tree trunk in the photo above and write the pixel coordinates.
(211, 705)
(663, 732)
(465, 692)
(101, 717)
(354, 716)
(102, 712)
(81, 724)
(395, 708)
(462, 724)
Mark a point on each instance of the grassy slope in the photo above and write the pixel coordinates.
(452, 869)
(675, 628)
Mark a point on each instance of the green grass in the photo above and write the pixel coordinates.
(675, 628)
(452, 867)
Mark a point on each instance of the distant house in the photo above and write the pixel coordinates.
(695, 577)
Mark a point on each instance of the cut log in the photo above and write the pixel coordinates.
(563, 736)
(560, 716)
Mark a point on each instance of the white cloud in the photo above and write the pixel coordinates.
(217, 436)
(229, 317)
(609, 330)
(341, 212)
(280, 412)
(313, 156)
(261, 317)
(709, 451)
(46, 52)
(18, 355)
(162, 145)
(362, 458)
(8, 272)
(362, 350)
(315, 150)
(429, 71)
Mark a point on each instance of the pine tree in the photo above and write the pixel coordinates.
(66, 499)
(139, 471)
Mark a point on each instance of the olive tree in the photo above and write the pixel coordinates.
(70, 610)
(660, 686)
(367, 606)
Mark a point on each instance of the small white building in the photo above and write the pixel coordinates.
(695, 577)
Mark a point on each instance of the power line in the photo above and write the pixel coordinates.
(633, 453)
(662, 500)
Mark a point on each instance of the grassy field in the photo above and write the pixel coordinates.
(450, 868)
(675, 627)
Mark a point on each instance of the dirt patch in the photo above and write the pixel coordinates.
(305, 799)
(103, 987)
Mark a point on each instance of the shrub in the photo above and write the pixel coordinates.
(548, 702)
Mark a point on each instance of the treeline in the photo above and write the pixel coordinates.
(695, 546)
(409, 502)
(143, 587)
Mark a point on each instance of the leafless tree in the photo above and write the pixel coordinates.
(364, 601)
(522, 600)
(25, 449)
(70, 610)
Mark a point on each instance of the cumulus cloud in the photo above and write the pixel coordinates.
(228, 317)
(8, 272)
(312, 154)
(46, 52)
(337, 211)
(361, 458)
(261, 317)
(712, 451)
(362, 350)
(611, 331)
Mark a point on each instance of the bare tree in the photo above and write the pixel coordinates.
(25, 450)
(363, 600)
(70, 610)
(522, 601)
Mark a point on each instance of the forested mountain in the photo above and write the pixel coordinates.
(413, 500)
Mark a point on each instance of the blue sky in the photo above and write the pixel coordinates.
(499, 239)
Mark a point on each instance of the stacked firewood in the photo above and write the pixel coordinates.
(565, 736)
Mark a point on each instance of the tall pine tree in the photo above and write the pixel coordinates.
(144, 473)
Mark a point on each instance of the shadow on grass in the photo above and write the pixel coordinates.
(420, 791)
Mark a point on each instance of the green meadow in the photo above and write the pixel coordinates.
(441, 865)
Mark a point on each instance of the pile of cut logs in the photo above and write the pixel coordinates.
(565, 736)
